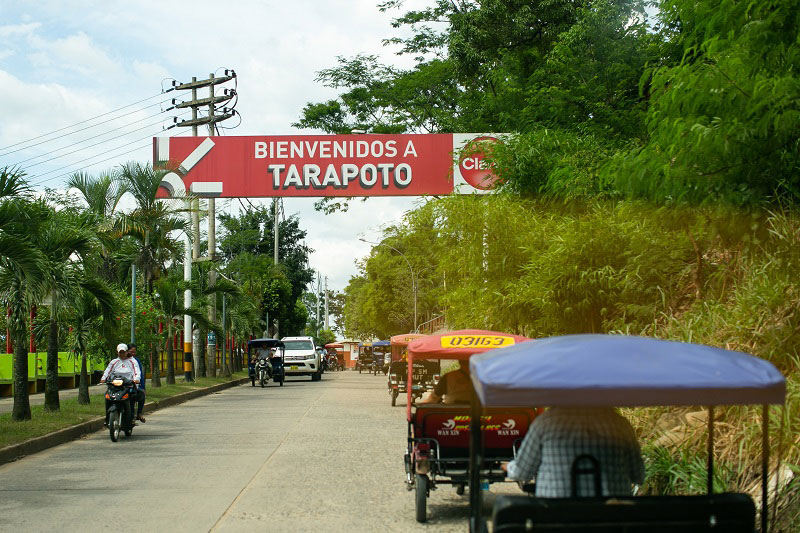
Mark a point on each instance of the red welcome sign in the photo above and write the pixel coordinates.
(315, 165)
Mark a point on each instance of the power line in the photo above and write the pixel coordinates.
(96, 162)
(85, 121)
(93, 137)
(92, 157)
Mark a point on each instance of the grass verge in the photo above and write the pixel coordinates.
(43, 422)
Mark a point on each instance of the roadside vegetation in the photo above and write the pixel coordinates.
(650, 186)
(67, 263)
(44, 421)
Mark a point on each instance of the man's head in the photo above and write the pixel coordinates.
(464, 365)
(132, 349)
(122, 350)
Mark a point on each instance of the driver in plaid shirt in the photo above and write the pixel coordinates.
(561, 434)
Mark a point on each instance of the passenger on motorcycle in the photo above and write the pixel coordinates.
(140, 394)
(123, 365)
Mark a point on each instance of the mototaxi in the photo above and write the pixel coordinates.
(621, 371)
(438, 451)
(425, 374)
(273, 349)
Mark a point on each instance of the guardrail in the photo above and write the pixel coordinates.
(432, 325)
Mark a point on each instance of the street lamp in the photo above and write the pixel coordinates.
(413, 278)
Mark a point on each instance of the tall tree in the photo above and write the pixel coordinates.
(247, 246)
(64, 240)
(168, 300)
(22, 268)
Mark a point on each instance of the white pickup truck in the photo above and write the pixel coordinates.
(301, 358)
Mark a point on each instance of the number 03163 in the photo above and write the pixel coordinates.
(476, 341)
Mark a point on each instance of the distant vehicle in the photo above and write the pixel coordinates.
(323, 356)
(301, 358)
(265, 361)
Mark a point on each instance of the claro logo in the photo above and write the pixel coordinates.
(474, 166)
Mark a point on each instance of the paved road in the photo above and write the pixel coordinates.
(309, 456)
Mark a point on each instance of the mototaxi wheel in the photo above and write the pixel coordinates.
(395, 394)
(114, 425)
(421, 501)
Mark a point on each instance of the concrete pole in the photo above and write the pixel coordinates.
(133, 303)
(327, 321)
(275, 253)
(187, 299)
(319, 282)
(211, 351)
(226, 369)
(195, 243)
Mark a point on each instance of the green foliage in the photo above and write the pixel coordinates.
(247, 246)
(724, 121)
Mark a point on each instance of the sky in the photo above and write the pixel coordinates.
(62, 63)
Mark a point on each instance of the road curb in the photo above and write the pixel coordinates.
(38, 444)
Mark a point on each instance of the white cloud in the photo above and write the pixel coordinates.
(75, 53)
(18, 30)
(90, 57)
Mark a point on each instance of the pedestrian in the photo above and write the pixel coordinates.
(561, 435)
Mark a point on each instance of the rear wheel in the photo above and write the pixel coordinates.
(422, 497)
(127, 419)
(394, 397)
(115, 425)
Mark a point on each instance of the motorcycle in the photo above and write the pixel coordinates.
(263, 371)
(120, 393)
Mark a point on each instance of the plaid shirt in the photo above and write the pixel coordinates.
(561, 434)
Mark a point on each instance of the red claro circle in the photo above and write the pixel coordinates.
(474, 167)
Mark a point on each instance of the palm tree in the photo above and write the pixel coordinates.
(102, 195)
(62, 238)
(168, 299)
(243, 317)
(150, 225)
(92, 312)
(21, 272)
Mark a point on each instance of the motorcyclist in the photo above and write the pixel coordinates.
(123, 364)
(140, 393)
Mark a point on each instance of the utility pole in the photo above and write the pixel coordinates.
(319, 282)
(192, 251)
(327, 323)
(133, 303)
(211, 349)
(275, 254)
